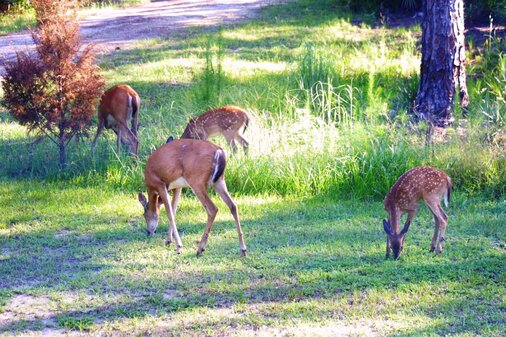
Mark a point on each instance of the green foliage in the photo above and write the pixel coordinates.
(16, 21)
(330, 133)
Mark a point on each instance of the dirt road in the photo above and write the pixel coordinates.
(122, 27)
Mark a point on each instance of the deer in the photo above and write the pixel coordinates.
(118, 106)
(419, 183)
(180, 163)
(227, 120)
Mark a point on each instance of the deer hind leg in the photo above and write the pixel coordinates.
(164, 195)
(211, 210)
(230, 137)
(440, 218)
(442, 229)
(221, 189)
(243, 142)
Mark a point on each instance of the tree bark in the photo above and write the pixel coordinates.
(443, 61)
(63, 157)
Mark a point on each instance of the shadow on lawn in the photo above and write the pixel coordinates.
(296, 253)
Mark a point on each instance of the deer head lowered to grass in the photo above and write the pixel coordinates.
(118, 106)
(420, 183)
(227, 120)
(180, 163)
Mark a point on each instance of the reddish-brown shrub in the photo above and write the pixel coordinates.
(54, 91)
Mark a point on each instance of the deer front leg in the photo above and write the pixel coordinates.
(172, 222)
(99, 131)
(176, 195)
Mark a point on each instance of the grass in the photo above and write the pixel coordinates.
(81, 257)
(330, 133)
(17, 21)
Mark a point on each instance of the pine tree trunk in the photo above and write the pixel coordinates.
(443, 61)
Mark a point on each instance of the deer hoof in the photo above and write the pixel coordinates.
(200, 251)
(432, 249)
(168, 242)
(243, 252)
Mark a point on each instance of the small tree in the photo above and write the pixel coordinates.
(54, 91)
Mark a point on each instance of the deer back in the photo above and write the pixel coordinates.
(227, 118)
(423, 182)
(196, 161)
(120, 102)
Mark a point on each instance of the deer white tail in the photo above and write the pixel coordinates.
(218, 165)
(448, 192)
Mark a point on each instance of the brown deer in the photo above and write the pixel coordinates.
(420, 183)
(182, 163)
(118, 106)
(227, 120)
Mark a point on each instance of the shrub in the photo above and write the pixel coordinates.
(55, 91)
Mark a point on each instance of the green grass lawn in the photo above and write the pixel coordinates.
(330, 133)
(79, 258)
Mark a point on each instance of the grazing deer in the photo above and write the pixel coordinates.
(420, 183)
(227, 120)
(182, 163)
(118, 106)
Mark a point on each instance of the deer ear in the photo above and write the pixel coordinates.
(170, 139)
(143, 200)
(386, 227)
(406, 228)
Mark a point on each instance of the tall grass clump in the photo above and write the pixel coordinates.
(329, 110)
(488, 84)
(308, 157)
(211, 80)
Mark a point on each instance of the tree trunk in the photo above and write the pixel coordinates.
(443, 61)
(63, 157)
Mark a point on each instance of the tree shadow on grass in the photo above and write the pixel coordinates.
(303, 250)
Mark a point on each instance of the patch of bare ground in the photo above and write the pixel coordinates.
(120, 28)
(28, 308)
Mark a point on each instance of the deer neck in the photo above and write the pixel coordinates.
(394, 217)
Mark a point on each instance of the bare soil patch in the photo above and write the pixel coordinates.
(120, 28)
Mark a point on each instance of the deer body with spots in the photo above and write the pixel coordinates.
(119, 106)
(190, 163)
(227, 120)
(420, 183)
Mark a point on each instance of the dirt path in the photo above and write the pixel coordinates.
(122, 27)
